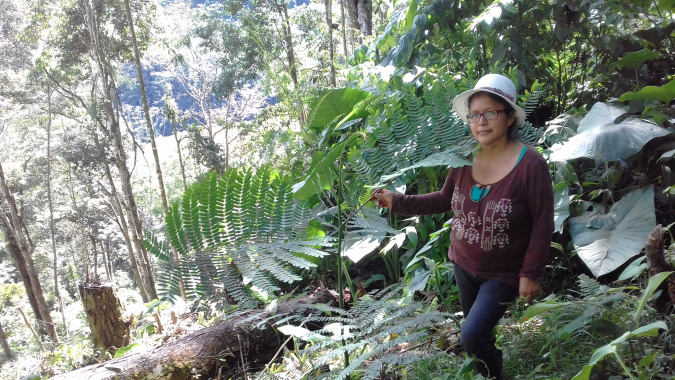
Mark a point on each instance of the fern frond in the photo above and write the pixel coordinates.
(588, 286)
(529, 134)
(373, 369)
(355, 364)
(239, 228)
(532, 101)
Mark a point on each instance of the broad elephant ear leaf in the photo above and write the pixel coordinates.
(336, 103)
(561, 210)
(605, 249)
(603, 140)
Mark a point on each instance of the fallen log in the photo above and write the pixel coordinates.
(240, 338)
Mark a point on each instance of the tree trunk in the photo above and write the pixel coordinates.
(117, 206)
(180, 155)
(329, 23)
(104, 315)
(17, 257)
(132, 209)
(32, 330)
(52, 229)
(4, 344)
(344, 29)
(92, 237)
(151, 132)
(100, 57)
(288, 38)
(104, 256)
(352, 13)
(360, 14)
(365, 8)
(146, 107)
(282, 8)
(202, 351)
(18, 229)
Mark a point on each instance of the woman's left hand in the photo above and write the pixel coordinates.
(529, 289)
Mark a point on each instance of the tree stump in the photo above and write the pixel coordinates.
(657, 263)
(104, 315)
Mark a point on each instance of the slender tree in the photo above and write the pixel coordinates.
(146, 107)
(329, 22)
(14, 225)
(344, 28)
(121, 220)
(101, 56)
(5, 344)
(148, 122)
(57, 292)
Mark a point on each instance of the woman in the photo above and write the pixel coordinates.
(502, 216)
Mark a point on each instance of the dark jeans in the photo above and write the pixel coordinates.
(483, 304)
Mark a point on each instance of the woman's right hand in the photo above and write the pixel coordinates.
(384, 197)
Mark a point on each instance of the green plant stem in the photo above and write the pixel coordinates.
(339, 237)
(390, 268)
(625, 369)
(437, 276)
(560, 359)
(637, 82)
(339, 253)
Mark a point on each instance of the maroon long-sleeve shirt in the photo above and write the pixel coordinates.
(510, 235)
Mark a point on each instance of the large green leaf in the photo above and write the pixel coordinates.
(601, 139)
(241, 231)
(653, 284)
(410, 15)
(665, 93)
(668, 155)
(540, 308)
(649, 330)
(489, 15)
(321, 176)
(665, 5)
(633, 60)
(561, 210)
(123, 350)
(606, 241)
(335, 103)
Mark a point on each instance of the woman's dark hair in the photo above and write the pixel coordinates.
(507, 107)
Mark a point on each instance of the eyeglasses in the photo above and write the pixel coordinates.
(489, 115)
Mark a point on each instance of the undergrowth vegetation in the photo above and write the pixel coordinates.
(597, 81)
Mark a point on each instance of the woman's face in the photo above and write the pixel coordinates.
(488, 132)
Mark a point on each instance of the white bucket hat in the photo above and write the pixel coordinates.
(496, 84)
